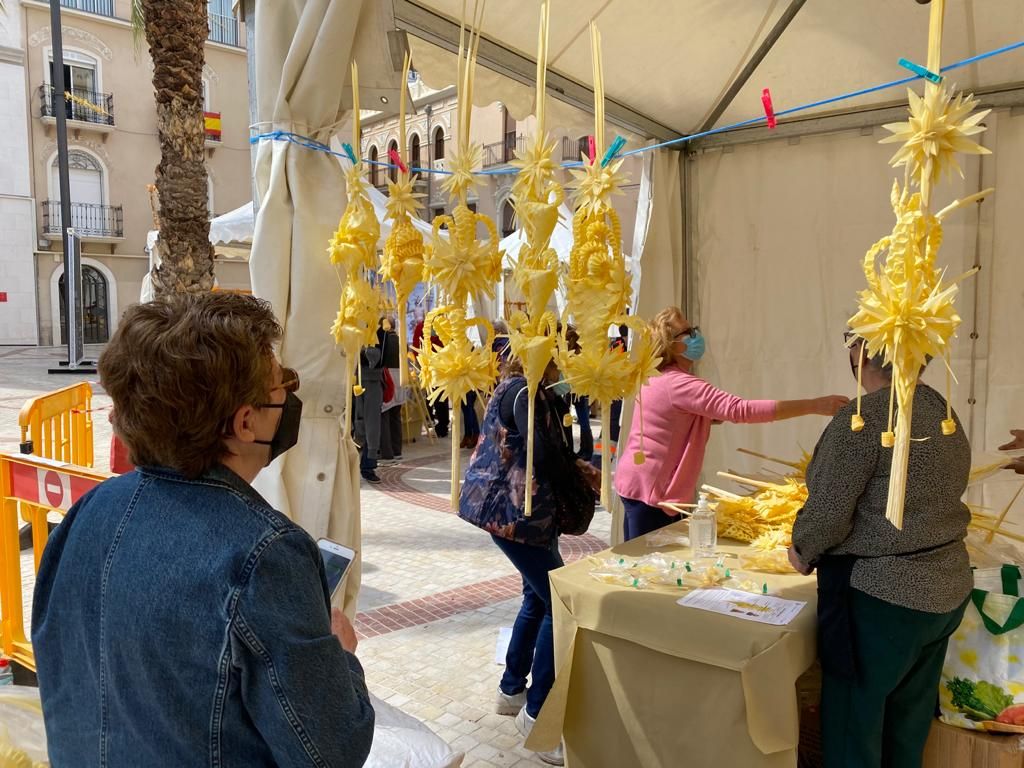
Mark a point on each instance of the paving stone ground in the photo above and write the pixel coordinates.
(435, 591)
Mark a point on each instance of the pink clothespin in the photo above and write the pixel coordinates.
(397, 160)
(592, 149)
(769, 110)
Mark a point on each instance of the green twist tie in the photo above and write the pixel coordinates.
(679, 582)
(764, 588)
(688, 569)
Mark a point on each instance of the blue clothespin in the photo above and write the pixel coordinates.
(350, 153)
(917, 69)
(613, 150)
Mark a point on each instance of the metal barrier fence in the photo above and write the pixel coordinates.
(58, 425)
(30, 488)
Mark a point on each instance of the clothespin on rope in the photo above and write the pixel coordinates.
(397, 160)
(613, 150)
(924, 72)
(351, 155)
(769, 110)
(591, 149)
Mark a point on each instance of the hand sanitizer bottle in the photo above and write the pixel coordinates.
(703, 529)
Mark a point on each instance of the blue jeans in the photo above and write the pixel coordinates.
(586, 451)
(532, 645)
(470, 422)
(642, 518)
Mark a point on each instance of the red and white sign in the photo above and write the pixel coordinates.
(48, 487)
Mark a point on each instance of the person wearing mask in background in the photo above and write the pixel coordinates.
(678, 409)
(368, 411)
(391, 408)
(178, 618)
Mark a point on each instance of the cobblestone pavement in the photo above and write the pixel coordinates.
(435, 591)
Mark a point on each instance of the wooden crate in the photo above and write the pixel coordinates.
(951, 747)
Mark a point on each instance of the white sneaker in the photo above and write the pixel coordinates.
(505, 704)
(524, 723)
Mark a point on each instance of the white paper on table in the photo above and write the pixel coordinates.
(764, 609)
(501, 649)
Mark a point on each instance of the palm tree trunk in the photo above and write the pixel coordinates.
(176, 33)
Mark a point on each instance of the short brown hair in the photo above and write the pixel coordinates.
(664, 335)
(178, 369)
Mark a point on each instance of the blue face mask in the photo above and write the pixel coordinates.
(561, 388)
(694, 347)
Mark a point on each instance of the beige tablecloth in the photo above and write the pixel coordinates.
(645, 683)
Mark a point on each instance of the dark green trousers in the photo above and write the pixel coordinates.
(882, 719)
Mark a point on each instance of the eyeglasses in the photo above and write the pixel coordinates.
(692, 332)
(289, 380)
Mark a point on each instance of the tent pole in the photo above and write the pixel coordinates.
(755, 61)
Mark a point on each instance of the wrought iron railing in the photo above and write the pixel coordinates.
(223, 29)
(573, 149)
(505, 151)
(88, 219)
(84, 106)
(99, 7)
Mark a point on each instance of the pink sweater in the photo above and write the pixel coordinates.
(678, 409)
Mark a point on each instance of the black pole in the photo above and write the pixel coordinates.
(72, 258)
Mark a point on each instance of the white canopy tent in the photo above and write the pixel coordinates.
(758, 233)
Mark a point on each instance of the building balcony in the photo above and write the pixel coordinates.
(573, 149)
(223, 29)
(504, 152)
(84, 110)
(99, 7)
(91, 222)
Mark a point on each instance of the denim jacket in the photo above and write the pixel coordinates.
(187, 623)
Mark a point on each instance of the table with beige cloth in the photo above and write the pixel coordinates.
(644, 682)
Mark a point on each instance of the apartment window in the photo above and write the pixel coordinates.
(221, 21)
(414, 151)
(85, 175)
(374, 168)
(508, 218)
(438, 143)
(99, 7)
(392, 169)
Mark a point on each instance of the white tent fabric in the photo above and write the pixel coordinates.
(304, 49)
(671, 59)
(234, 226)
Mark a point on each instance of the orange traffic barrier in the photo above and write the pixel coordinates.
(59, 425)
(31, 487)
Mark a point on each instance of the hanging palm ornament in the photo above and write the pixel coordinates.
(462, 268)
(598, 285)
(402, 263)
(907, 311)
(353, 251)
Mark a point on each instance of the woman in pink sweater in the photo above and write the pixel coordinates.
(678, 411)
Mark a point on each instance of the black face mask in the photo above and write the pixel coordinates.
(287, 433)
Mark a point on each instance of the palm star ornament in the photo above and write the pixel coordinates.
(907, 310)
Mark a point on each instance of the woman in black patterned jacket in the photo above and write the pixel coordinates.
(888, 599)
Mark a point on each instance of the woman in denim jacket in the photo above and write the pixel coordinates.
(179, 620)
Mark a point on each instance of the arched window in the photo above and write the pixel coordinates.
(392, 169)
(438, 143)
(583, 146)
(374, 168)
(507, 219)
(414, 151)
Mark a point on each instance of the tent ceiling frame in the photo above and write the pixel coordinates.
(428, 25)
(1010, 95)
(755, 61)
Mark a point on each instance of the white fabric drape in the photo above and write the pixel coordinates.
(303, 50)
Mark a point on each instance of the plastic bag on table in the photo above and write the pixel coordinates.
(22, 733)
(770, 561)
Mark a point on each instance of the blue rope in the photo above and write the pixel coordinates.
(305, 141)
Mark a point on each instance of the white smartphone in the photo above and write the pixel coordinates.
(337, 559)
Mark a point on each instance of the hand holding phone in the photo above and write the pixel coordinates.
(337, 560)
